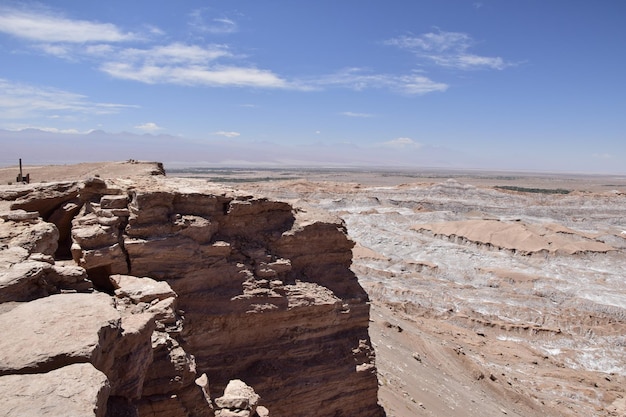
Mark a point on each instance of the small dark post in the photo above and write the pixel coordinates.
(21, 177)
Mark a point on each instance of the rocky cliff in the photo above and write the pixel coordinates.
(146, 297)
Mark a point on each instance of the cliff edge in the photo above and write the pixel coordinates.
(148, 296)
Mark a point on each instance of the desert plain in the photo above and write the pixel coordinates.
(492, 293)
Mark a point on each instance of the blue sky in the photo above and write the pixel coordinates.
(531, 85)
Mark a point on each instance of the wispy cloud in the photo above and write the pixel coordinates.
(202, 21)
(143, 56)
(227, 134)
(190, 65)
(191, 75)
(48, 28)
(448, 49)
(176, 53)
(149, 127)
(359, 79)
(125, 55)
(21, 101)
(355, 114)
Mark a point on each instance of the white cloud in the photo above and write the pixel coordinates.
(194, 75)
(200, 21)
(402, 143)
(448, 49)
(227, 134)
(43, 26)
(138, 57)
(21, 101)
(358, 79)
(602, 155)
(149, 127)
(354, 114)
(175, 53)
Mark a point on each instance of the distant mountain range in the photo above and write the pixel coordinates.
(37, 146)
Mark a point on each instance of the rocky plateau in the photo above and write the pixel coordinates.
(147, 296)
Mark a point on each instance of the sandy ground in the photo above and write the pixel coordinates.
(49, 173)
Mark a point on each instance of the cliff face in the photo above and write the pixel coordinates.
(186, 282)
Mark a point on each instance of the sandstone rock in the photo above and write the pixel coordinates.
(172, 368)
(141, 289)
(59, 330)
(78, 390)
(29, 279)
(33, 235)
(257, 290)
(94, 236)
(62, 219)
(133, 356)
(46, 198)
(518, 236)
(23, 281)
(113, 201)
(239, 399)
(19, 215)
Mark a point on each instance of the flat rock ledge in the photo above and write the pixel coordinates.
(146, 297)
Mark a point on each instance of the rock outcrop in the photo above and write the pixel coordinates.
(172, 288)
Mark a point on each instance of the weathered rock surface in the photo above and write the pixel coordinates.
(55, 331)
(518, 236)
(169, 281)
(239, 400)
(78, 390)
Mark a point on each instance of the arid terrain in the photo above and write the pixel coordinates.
(486, 301)
(492, 293)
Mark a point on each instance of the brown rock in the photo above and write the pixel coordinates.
(141, 289)
(36, 236)
(29, 279)
(133, 356)
(114, 201)
(239, 399)
(59, 330)
(45, 198)
(77, 390)
(259, 291)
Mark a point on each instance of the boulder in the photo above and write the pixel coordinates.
(239, 399)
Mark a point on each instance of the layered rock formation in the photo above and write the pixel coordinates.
(488, 302)
(171, 292)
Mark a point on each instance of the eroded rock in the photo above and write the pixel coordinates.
(77, 390)
(232, 287)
